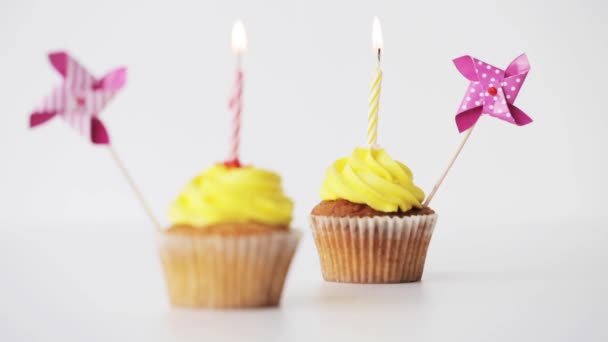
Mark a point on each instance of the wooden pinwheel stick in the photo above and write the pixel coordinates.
(445, 173)
(138, 194)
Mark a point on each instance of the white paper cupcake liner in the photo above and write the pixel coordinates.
(377, 249)
(218, 271)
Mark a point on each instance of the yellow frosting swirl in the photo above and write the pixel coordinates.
(370, 176)
(223, 195)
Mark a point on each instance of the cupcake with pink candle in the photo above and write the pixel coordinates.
(230, 244)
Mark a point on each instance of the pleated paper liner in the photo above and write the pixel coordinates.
(375, 249)
(215, 271)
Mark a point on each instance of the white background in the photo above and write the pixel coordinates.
(522, 221)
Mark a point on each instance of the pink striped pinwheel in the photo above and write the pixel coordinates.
(79, 98)
(492, 91)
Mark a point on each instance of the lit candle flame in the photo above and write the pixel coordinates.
(377, 41)
(239, 38)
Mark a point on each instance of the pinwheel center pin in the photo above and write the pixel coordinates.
(492, 91)
(97, 85)
(81, 101)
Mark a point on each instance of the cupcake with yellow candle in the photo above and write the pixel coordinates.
(230, 245)
(371, 225)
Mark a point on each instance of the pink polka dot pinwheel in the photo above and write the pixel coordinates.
(79, 98)
(492, 91)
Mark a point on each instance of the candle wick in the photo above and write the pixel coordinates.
(239, 60)
(379, 55)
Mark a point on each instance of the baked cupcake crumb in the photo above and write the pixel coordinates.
(344, 208)
(226, 229)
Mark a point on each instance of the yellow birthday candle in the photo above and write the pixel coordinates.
(375, 88)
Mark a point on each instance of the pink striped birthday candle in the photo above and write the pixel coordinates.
(239, 44)
(236, 106)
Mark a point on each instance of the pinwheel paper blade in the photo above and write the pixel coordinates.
(492, 91)
(80, 98)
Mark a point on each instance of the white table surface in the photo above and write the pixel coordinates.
(483, 282)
